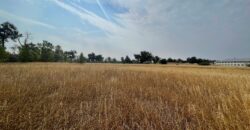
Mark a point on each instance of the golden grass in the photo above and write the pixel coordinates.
(106, 96)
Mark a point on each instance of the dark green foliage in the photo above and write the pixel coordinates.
(108, 60)
(99, 58)
(127, 60)
(122, 60)
(13, 58)
(171, 60)
(192, 60)
(163, 61)
(59, 54)
(47, 53)
(205, 63)
(91, 57)
(199, 61)
(29, 52)
(144, 57)
(82, 59)
(8, 31)
(114, 60)
(156, 59)
(70, 55)
(248, 65)
(3, 54)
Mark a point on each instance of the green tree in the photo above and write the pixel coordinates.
(82, 59)
(114, 60)
(70, 55)
(29, 52)
(192, 60)
(47, 53)
(108, 60)
(99, 58)
(156, 59)
(59, 54)
(127, 60)
(163, 61)
(8, 31)
(92, 57)
(144, 57)
(122, 60)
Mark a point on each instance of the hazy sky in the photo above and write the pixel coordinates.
(216, 29)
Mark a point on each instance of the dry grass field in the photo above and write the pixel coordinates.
(124, 97)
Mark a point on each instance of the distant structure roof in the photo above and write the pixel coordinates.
(238, 60)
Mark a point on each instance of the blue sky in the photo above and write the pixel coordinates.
(216, 29)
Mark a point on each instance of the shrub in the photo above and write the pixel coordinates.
(205, 63)
(163, 61)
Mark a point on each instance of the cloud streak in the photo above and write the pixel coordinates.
(91, 17)
(7, 15)
(103, 10)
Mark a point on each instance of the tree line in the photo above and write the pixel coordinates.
(45, 51)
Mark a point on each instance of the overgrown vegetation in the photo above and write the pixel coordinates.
(108, 96)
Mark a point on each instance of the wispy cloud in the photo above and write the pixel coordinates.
(168, 28)
(89, 16)
(103, 10)
(8, 15)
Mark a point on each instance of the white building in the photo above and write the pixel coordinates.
(234, 62)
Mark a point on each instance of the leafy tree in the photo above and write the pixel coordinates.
(122, 60)
(29, 52)
(137, 58)
(192, 60)
(127, 60)
(82, 59)
(163, 61)
(59, 54)
(8, 31)
(108, 60)
(171, 60)
(205, 63)
(156, 59)
(99, 58)
(47, 53)
(70, 55)
(114, 60)
(92, 57)
(180, 61)
(144, 57)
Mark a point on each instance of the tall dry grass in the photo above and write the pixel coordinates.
(100, 96)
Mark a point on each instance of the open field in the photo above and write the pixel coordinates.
(106, 96)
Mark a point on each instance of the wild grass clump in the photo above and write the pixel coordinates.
(99, 96)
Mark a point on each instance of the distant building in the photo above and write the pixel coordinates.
(234, 62)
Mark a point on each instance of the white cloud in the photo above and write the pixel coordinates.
(169, 28)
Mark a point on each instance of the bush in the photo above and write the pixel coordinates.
(248, 65)
(3, 55)
(205, 63)
(163, 61)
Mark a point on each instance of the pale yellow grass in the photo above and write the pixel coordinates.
(106, 96)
